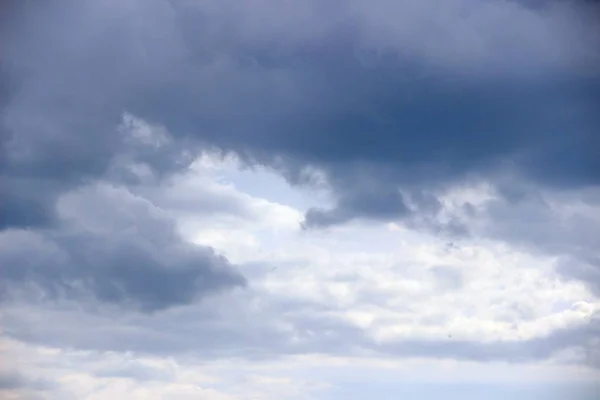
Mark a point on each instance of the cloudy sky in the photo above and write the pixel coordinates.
(286, 199)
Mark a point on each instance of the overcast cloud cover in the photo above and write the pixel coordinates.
(284, 199)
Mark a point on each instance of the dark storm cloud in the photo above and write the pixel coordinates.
(118, 249)
(379, 96)
(60, 117)
(120, 268)
(63, 126)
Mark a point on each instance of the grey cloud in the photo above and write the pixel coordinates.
(404, 94)
(27, 201)
(119, 249)
(244, 324)
(225, 329)
(62, 124)
(13, 380)
(370, 194)
(388, 100)
(585, 270)
(385, 203)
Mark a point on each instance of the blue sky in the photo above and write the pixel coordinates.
(316, 199)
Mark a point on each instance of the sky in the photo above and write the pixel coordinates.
(299, 200)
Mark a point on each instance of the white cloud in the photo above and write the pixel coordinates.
(97, 375)
(309, 290)
(398, 284)
(123, 305)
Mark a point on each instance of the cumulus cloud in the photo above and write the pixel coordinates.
(116, 247)
(475, 143)
(410, 297)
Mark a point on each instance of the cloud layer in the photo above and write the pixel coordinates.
(271, 180)
(378, 97)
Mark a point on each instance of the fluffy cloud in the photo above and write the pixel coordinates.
(116, 247)
(445, 201)
(390, 290)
